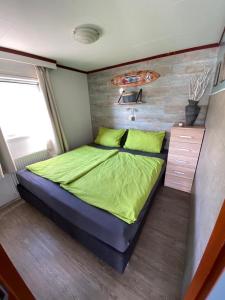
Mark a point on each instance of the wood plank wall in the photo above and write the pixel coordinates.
(165, 98)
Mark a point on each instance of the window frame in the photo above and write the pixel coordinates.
(14, 138)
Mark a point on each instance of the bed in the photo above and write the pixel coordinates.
(108, 237)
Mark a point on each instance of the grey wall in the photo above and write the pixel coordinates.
(71, 93)
(165, 98)
(209, 186)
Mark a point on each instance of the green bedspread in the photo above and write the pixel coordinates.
(114, 181)
(70, 166)
(119, 185)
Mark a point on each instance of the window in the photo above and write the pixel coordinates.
(24, 117)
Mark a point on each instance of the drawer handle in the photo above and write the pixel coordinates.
(183, 149)
(178, 172)
(185, 136)
(182, 161)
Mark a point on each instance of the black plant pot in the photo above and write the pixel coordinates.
(191, 112)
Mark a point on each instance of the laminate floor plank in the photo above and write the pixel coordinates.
(55, 266)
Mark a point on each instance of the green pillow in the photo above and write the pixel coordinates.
(148, 141)
(109, 137)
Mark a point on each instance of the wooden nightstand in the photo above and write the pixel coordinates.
(184, 149)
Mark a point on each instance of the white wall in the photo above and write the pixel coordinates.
(71, 93)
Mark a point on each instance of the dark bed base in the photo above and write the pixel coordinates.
(112, 257)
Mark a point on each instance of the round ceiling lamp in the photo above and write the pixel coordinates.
(86, 34)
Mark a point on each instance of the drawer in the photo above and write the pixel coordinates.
(180, 171)
(185, 161)
(178, 186)
(187, 135)
(185, 149)
(181, 184)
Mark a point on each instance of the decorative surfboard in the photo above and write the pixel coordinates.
(135, 78)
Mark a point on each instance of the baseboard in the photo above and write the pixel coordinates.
(10, 205)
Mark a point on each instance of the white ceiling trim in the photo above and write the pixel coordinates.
(27, 60)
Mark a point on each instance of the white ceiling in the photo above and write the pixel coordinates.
(131, 29)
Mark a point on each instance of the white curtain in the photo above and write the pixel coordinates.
(7, 164)
(46, 88)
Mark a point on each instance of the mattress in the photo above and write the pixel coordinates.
(99, 223)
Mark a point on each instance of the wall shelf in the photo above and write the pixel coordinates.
(128, 103)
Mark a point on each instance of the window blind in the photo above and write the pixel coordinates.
(13, 69)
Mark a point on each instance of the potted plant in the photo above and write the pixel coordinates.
(197, 87)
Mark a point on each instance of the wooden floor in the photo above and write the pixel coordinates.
(55, 266)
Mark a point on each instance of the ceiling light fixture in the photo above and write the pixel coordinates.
(86, 34)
